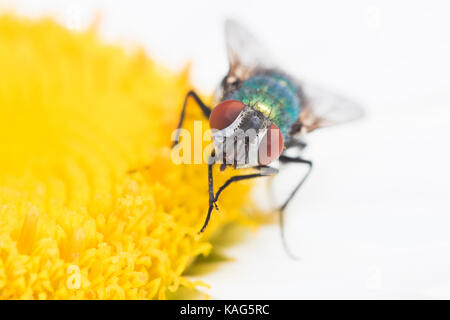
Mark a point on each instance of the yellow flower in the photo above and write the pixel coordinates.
(75, 116)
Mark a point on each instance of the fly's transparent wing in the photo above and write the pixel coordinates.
(243, 49)
(245, 55)
(324, 108)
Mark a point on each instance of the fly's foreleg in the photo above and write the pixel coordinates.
(211, 162)
(263, 171)
(205, 110)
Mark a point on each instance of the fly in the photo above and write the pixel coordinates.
(260, 113)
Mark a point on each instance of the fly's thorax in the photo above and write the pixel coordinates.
(274, 94)
(238, 144)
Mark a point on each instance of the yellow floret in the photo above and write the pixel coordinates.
(75, 116)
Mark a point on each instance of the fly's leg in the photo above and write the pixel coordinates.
(206, 112)
(296, 143)
(211, 162)
(286, 159)
(263, 172)
(205, 109)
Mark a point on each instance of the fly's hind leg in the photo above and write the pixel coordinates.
(286, 159)
(205, 110)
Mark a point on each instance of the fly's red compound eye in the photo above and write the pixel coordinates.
(225, 113)
(271, 146)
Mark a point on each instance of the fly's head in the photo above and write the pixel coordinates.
(243, 136)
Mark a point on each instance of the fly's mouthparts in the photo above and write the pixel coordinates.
(239, 149)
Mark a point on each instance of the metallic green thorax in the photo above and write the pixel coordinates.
(275, 95)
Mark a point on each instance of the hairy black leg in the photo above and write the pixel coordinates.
(211, 162)
(205, 109)
(287, 159)
(294, 143)
(263, 171)
(206, 112)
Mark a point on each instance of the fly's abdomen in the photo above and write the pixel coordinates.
(275, 95)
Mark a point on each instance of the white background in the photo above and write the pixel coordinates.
(373, 219)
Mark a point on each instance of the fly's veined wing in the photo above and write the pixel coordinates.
(324, 108)
(243, 49)
(245, 54)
